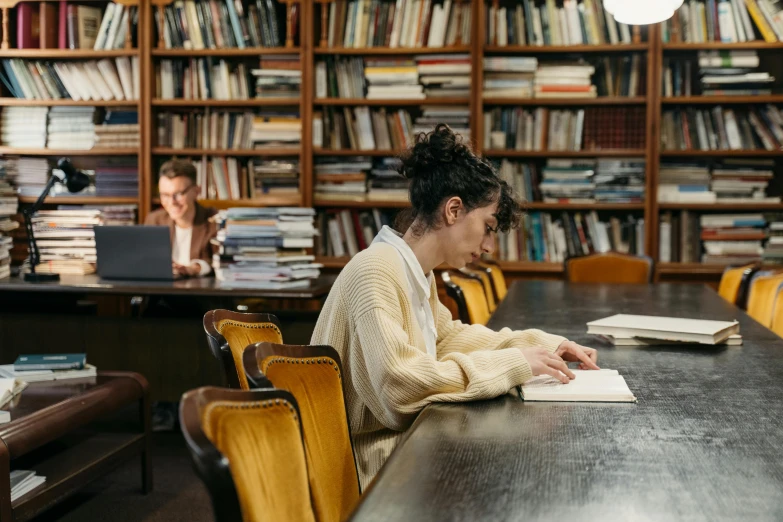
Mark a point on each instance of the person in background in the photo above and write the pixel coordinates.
(191, 229)
(399, 346)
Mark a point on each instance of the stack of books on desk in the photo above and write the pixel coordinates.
(263, 248)
(54, 367)
(24, 481)
(645, 330)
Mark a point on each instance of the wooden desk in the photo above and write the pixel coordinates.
(56, 431)
(201, 287)
(703, 443)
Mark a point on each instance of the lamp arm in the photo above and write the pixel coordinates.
(28, 222)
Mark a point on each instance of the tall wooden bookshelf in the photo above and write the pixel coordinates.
(309, 49)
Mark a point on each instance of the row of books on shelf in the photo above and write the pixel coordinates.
(400, 23)
(209, 78)
(264, 248)
(424, 76)
(728, 181)
(616, 180)
(363, 128)
(221, 24)
(722, 239)
(359, 179)
(722, 128)
(527, 77)
(66, 25)
(71, 128)
(223, 130)
(344, 232)
(543, 237)
(232, 179)
(728, 73)
(726, 21)
(97, 80)
(592, 128)
(547, 23)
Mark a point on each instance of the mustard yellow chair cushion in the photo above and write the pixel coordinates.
(475, 300)
(761, 300)
(317, 385)
(489, 293)
(263, 444)
(240, 335)
(609, 268)
(498, 279)
(730, 283)
(777, 313)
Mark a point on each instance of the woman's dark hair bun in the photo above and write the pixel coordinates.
(432, 150)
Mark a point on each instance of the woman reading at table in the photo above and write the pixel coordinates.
(399, 346)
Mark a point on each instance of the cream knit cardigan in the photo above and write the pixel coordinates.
(389, 377)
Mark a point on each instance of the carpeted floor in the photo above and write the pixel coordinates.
(178, 494)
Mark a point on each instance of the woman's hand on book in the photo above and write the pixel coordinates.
(572, 352)
(544, 362)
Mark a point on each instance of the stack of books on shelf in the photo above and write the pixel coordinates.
(24, 127)
(344, 232)
(404, 23)
(273, 177)
(684, 183)
(722, 128)
(96, 80)
(71, 128)
(202, 79)
(278, 76)
(509, 76)
(455, 116)
(9, 203)
(386, 183)
(220, 24)
(120, 129)
(620, 180)
(275, 129)
(722, 73)
(545, 238)
(568, 181)
(205, 129)
(362, 128)
(570, 23)
(732, 239)
(773, 250)
(30, 174)
(728, 181)
(564, 80)
(46, 25)
(341, 178)
(444, 75)
(724, 21)
(117, 177)
(264, 248)
(392, 78)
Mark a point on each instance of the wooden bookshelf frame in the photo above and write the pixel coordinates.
(150, 51)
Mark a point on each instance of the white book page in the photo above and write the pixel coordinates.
(587, 386)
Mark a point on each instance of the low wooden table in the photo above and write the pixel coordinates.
(72, 432)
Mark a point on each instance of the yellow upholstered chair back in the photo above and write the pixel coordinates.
(313, 374)
(229, 333)
(609, 267)
(247, 446)
(777, 313)
(489, 292)
(468, 292)
(761, 300)
(498, 279)
(730, 283)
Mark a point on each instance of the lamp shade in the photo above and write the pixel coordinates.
(641, 12)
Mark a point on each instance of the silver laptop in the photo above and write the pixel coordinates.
(134, 252)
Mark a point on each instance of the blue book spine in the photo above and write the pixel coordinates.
(235, 25)
(62, 361)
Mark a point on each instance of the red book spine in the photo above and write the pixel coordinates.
(62, 26)
(27, 26)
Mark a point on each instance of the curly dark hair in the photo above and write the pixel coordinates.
(440, 166)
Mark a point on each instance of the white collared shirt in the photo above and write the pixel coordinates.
(419, 286)
(180, 251)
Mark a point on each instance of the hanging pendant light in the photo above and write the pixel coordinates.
(641, 12)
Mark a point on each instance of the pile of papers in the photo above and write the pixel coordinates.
(264, 248)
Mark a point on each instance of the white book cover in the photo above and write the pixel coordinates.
(668, 328)
(588, 386)
(105, 23)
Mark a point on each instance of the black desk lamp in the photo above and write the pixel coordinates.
(76, 181)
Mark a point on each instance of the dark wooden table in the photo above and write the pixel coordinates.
(72, 432)
(201, 286)
(703, 443)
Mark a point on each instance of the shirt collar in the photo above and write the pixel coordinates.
(392, 237)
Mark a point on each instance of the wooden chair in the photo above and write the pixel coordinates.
(486, 281)
(229, 333)
(777, 313)
(313, 374)
(610, 267)
(468, 292)
(248, 449)
(498, 279)
(734, 284)
(762, 296)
